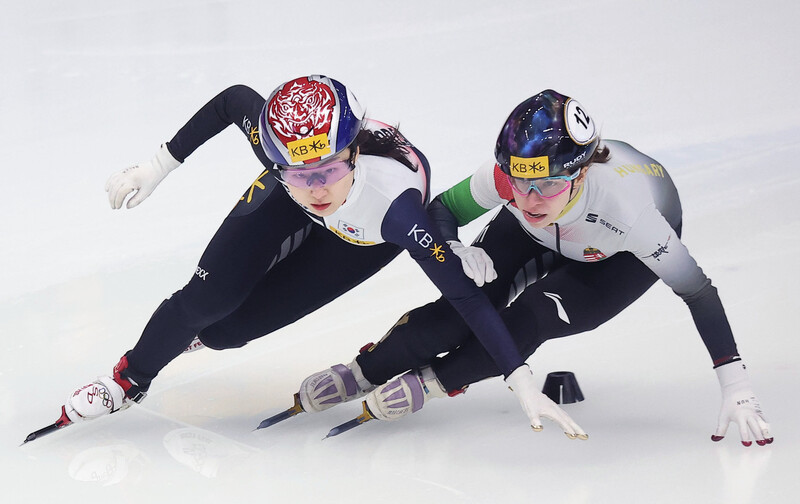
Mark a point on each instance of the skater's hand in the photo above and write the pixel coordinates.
(142, 178)
(537, 405)
(740, 406)
(476, 262)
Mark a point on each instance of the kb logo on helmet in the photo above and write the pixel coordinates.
(309, 148)
(535, 167)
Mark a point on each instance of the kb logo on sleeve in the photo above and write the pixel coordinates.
(251, 130)
(426, 240)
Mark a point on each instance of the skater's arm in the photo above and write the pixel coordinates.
(239, 105)
(658, 246)
(408, 225)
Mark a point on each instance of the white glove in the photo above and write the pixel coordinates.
(740, 405)
(142, 178)
(536, 404)
(476, 262)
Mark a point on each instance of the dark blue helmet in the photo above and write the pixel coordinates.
(547, 135)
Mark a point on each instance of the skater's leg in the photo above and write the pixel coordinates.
(575, 298)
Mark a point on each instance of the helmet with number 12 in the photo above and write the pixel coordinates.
(547, 135)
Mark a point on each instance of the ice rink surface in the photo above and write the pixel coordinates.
(88, 88)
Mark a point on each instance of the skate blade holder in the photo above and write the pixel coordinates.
(562, 387)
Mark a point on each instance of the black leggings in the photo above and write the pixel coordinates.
(556, 297)
(267, 266)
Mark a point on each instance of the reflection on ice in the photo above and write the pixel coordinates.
(108, 464)
(742, 470)
(202, 451)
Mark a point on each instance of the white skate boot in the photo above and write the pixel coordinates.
(194, 346)
(404, 395)
(101, 397)
(324, 390)
(333, 386)
(396, 399)
(105, 395)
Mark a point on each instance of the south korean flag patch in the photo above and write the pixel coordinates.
(351, 231)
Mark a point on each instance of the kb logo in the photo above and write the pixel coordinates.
(420, 236)
(248, 128)
(312, 148)
(535, 167)
(309, 148)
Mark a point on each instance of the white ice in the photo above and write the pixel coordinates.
(89, 87)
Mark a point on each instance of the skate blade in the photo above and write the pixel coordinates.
(62, 422)
(296, 409)
(363, 418)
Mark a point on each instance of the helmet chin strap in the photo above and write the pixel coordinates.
(572, 192)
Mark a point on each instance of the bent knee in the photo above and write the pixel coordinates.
(218, 339)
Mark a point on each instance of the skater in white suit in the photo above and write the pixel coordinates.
(586, 226)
